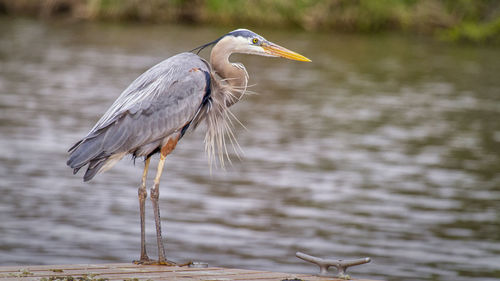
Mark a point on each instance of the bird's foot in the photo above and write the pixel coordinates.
(155, 262)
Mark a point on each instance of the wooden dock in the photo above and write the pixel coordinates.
(132, 272)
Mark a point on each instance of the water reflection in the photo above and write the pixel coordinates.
(384, 147)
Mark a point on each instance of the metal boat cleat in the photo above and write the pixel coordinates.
(324, 264)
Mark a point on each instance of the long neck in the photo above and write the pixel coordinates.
(234, 74)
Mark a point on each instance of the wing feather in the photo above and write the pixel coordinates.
(158, 103)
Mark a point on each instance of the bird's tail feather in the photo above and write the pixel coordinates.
(98, 147)
(94, 167)
(101, 165)
(86, 151)
(90, 151)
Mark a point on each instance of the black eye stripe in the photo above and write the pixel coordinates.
(242, 32)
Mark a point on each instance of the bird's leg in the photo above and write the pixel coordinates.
(155, 194)
(143, 194)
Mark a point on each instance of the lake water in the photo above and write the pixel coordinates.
(386, 147)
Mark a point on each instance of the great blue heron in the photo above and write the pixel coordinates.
(155, 111)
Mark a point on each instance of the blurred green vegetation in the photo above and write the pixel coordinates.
(454, 20)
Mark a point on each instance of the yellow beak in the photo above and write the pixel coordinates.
(276, 50)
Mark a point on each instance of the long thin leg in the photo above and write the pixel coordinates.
(155, 194)
(143, 193)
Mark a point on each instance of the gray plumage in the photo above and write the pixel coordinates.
(159, 103)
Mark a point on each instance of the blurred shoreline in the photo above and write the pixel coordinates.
(449, 20)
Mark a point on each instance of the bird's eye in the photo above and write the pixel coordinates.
(255, 40)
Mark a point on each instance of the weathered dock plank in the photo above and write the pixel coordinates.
(124, 271)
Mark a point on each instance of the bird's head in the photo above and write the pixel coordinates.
(244, 41)
(248, 42)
